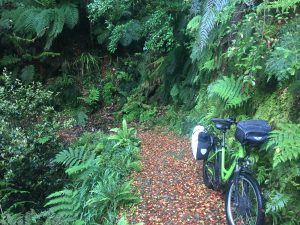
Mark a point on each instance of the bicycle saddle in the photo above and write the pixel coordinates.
(223, 124)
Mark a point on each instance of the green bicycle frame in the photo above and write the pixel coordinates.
(227, 172)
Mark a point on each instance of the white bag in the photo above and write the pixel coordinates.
(201, 143)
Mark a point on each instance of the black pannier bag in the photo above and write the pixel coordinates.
(252, 132)
(202, 143)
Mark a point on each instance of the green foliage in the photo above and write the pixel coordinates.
(229, 90)
(112, 9)
(275, 108)
(28, 218)
(125, 34)
(28, 140)
(136, 110)
(124, 136)
(92, 97)
(9, 60)
(283, 62)
(287, 142)
(282, 5)
(98, 171)
(277, 202)
(28, 73)
(159, 31)
(46, 20)
(211, 10)
(87, 63)
(72, 157)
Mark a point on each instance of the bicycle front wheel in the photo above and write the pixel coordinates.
(244, 202)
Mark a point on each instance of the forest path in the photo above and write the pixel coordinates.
(171, 188)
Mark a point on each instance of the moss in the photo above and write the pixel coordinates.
(276, 108)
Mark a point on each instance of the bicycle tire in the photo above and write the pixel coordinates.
(242, 203)
(211, 173)
(208, 177)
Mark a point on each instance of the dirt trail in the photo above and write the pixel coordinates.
(172, 190)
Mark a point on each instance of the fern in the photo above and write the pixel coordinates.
(56, 28)
(229, 90)
(211, 10)
(18, 219)
(27, 21)
(45, 3)
(283, 62)
(9, 60)
(72, 157)
(83, 170)
(109, 194)
(282, 5)
(48, 20)
(65, 204)
(3, 2)
(286, 142)
(276, 202)
(71, 15)
(27, 73)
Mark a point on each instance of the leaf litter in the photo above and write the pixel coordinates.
(171, 184)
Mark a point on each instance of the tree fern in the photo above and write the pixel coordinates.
(9, 60)
(46, 19)
(26, 22)
(3, 2)
(56, 28)
(286, 142)
(27, 73)
(71, 15)
(229, 90)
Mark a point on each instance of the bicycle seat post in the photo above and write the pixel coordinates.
(223, 137)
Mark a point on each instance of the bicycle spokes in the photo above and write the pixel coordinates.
(243, 204)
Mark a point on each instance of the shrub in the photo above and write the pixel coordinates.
(28, 140)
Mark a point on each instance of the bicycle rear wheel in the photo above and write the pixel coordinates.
(211, 171)
(208, 173)
(244, 202)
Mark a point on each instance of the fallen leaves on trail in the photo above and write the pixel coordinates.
(170, 186)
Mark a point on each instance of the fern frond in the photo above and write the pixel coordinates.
(71, 15)
(28, 73)
(26, 21)
(9, 60)
(46, 18)
(276, 202)
(73, 170)
(64, 204)
(3, 2)
(283, 62)
(211, 10)
(229, 90)
(43, 21)
(279, 5)
(46, 3)
(72, 157)
(57, 27)
(286, 142)
(109, 193)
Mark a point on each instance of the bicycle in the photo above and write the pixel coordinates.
(244, 201)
